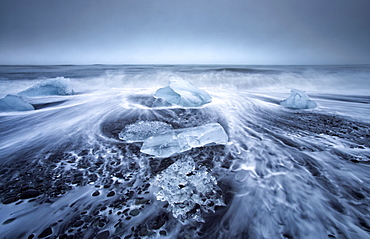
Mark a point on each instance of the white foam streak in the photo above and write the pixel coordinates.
(287, 176)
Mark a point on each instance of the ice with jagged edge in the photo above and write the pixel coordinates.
(55, 86)
(141, 130)
(298, 100)
(14, 103)
(180, 140)
(184, 185)
(181, 93)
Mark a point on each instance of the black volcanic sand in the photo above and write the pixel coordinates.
(118, 175)
(300, 123)
(119, 185)
(353, 134)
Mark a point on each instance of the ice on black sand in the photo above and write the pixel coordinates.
(55, 86)
(161, 140)
(181, 140)
(181, 93)
(184, 185)
(298, 100)
(14, 103)
(141, 130)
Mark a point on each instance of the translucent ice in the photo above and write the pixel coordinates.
(141, 130)
(56, 86)
(298, 100)
(163, 145)
(14, 103)
(180, 140)
(182, 93)
(184, 186)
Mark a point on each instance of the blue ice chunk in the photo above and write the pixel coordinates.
(169, 95)
(163, 145)
(14, 103)
(298, 100)
(141, 130)
(55, 86)
(183, 93)
(184, 186)
(181, 140)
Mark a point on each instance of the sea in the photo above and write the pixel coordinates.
(283, 173)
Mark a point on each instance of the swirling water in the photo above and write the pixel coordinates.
(284, 173)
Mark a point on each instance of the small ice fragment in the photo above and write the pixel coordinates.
(56, 86)
(181, 140)
(182, 93)
(184, 185)
(14, 103)
(298, 100)
(141, 130)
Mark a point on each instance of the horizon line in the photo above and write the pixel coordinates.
(185, 64)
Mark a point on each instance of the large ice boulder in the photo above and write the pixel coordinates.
(141, 130)
(180, 140)
(298, 100)
(14, 103)
(55, 86)
(182, 93)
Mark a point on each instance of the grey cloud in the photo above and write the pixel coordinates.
(192, 31)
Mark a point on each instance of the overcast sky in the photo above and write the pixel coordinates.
(185, 31)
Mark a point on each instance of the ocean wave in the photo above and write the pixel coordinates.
(285, 173)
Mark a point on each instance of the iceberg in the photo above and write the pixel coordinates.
(14, 103)
(56, 86)
(180, 140)
(182, 93)
(184, 185)
(141, 130)
(298, 100)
